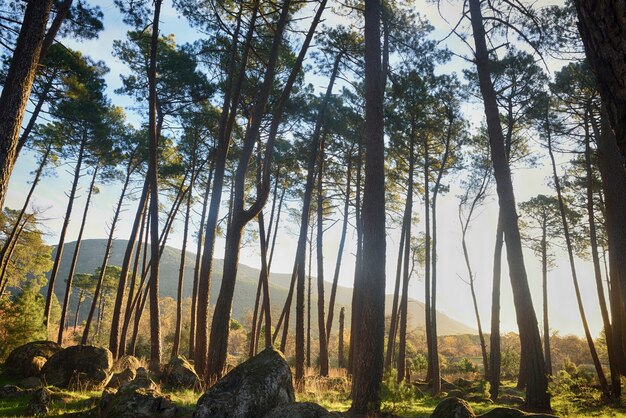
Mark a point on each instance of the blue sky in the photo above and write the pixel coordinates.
(453, 298)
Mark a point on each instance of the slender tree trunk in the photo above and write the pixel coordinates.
(470, 273)
(592, 348)
(494, 339)
(356, 297)
(78, 303)
(17, 87)
(70, 276)
(544, 275)
(181, 274)
(18, 233)
(393, 323)
(196, 270)
(616, 386)
(68, 212)
(369, 353)
(536, 390)
(105, 261)
(308, 307)
(342, 242)
(430, 373)
(320, 265)
(341, 363)
(611, 165)
(153, 138)
(404, 301)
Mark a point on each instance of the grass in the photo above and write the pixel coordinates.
(333, 394)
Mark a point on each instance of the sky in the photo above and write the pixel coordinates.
(453, 296)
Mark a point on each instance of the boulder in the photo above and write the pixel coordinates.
(79, 367)
(10, 390)
(300, 410)
(118, 379)
(28, 359)
(456, 393)
(463, 383)
(453, 408)
(126, 362)
(502, 412)
(250, 390)
(30, 382)
(139, 398)
(180, 374)
(447, 386)
(39, 404)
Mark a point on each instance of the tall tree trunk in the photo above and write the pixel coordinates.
(105, 259)
(570, 252)
(308, 308)
(404, 301)
(68, 212)
(393, 323)
(70, 276)
(153, 139)
(17, 87)
(616, 386)
(342, 243)
(470, 274)
(430, 371)
(369, 355)
(320, 265)
(544, 274)
(611, 165)
(18, 233)
(196, 270)
(536, 390)
(181, 273)
(495, 355)
(227, 120)
(356, 296)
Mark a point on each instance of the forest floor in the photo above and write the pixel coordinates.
(399, 401)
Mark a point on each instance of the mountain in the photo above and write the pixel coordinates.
(92, 251)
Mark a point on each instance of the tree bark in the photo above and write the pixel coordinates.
(404, 301)
(340, 349)
(66, 221)
(18, 85)
(70, 276)
(570, 252)
(320, 265)
(369, 353)
(536, 390)
(544, 275)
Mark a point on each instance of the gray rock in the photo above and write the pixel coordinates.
(39, 403)
(118, 379)
(139, 398)
(453, 408)
(300, 410)
(30, 382)
(28, 359)
(250, 390)
(79, 367)
(126, 362)
(180, 374)
(456, 393)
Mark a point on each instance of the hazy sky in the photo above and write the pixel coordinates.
(453, 295)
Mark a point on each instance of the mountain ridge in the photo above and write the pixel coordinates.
(92, 251)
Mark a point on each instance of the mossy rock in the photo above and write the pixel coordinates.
(250, 390)
(301, 410)
(502, 412)
(453, 408)
(27, 360)
(79, 367)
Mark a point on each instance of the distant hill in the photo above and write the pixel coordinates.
(92, 251)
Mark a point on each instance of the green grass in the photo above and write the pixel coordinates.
(402, 401)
